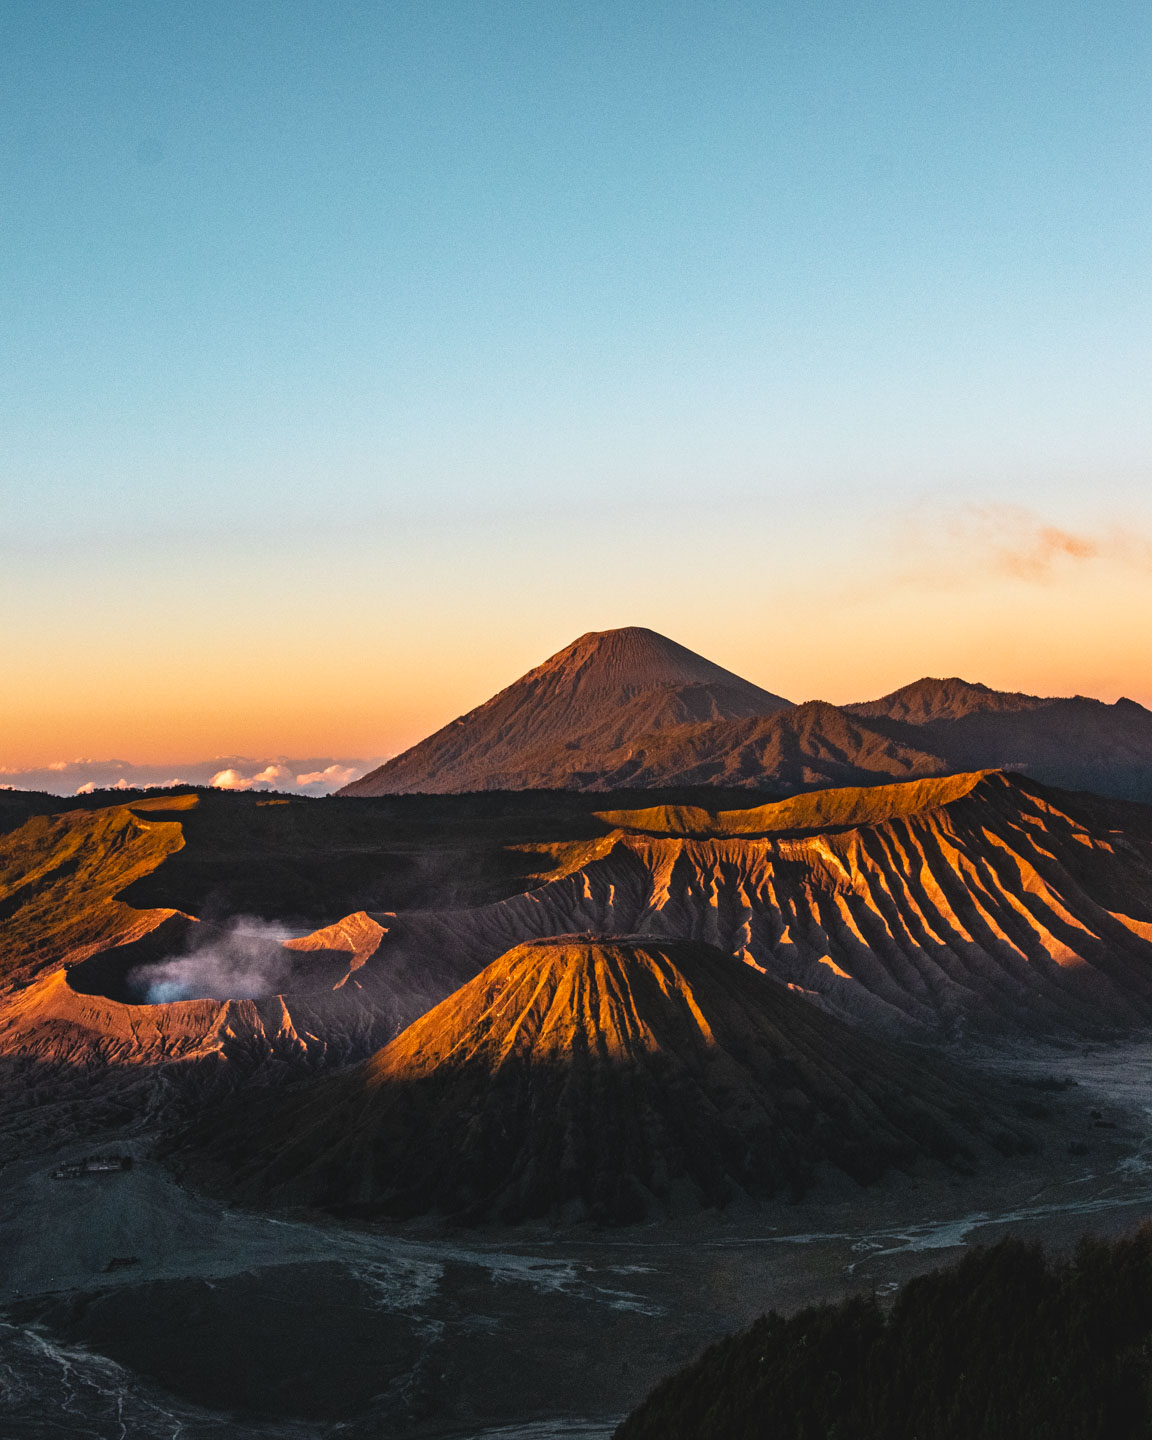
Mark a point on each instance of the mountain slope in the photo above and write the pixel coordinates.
(552, 727)
(808, 745)
(1078, 743)
(631, 709)
(60, 875)
(600, 1077)
(927, 700)
(978, 900)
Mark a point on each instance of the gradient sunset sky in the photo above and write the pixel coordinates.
(359, 355)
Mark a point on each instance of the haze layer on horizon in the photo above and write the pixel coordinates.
(362, 356)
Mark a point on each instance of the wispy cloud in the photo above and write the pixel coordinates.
(974, 542)
(1017, 542)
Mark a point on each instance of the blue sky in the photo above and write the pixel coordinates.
(459, 328)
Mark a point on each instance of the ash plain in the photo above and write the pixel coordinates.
(216, 1321)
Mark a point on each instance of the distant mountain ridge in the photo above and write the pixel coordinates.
(1076, 742)
(927, 700)
(632, 709)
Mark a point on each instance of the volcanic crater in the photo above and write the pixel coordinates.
(189, 959)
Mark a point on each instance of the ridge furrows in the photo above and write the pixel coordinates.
(996, 904)
(600, 1077)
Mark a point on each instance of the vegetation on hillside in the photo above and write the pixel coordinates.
(1003, 1345)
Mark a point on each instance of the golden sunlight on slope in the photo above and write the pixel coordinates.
(60, 874)
(982, 900)
(819, 810)
(603, 1077)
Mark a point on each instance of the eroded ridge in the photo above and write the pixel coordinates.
(975, 899)
(980, 901)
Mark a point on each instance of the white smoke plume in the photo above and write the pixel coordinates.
(244, 960)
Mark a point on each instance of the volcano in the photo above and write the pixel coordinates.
(555, 726)
(630, 709)
(981, 902)
(604, 1078)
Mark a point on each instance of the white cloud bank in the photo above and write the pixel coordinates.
(330, 778)
(307, 775)
(272, 777)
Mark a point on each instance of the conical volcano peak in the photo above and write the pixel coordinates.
(582, 946)
(564, 721)
(616, 960)
(632, 658)
(551, 997)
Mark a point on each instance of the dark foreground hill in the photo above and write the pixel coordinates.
(605, 1079)
(630, 708)
(1000, 1346)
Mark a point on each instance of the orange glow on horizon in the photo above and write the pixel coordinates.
(338, 708)
(327, 654)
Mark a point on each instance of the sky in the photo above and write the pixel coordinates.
(355, 357)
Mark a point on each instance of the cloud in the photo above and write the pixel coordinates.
(226, 772)
(232, 779)
(332, 778)
(229, 780)
(270, 775)
(1016, 542)
(971, 543)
